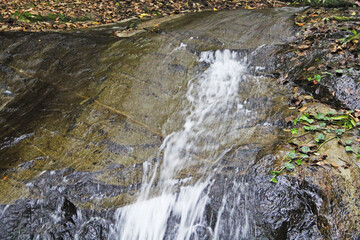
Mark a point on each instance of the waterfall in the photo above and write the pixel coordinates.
(169, 205)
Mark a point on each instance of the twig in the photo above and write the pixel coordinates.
(336, 136)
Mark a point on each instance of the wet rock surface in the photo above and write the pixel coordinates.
(80, 113)
(327, 47)
(287, 210)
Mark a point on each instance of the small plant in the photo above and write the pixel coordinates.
(332, 123)
(316, 78)
(355, 36)
(291, 157)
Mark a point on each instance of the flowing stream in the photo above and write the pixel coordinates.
(168, 205)
(164, 135)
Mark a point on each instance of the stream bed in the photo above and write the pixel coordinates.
(166, 134)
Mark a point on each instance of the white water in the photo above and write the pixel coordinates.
(172, 207)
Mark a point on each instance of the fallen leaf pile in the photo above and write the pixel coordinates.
(337, 32)
(43, 15)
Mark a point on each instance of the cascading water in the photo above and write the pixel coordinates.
(171, 206)
(80, 117)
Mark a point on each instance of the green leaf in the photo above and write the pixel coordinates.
(320, 137)
(348, 142)
(298, 162)
(303, 156)
(320, 116)
(347, 124)
(294, 131)
(305, 149)
(322, 124)
(339, 118)
(289, 166)
(274, 180)
(317, 78)
(295, 121)
(331, 113)
(292, 154)
(353, 123)
(306, 119)
(339, 71)
(349, 149)
(339, 131)
(275, 173)
(310, 128)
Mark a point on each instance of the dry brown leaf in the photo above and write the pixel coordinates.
(295, 90)
(289, 119)
(303, 108)
(320, 163)
(301, 54)
(304, 46)
(311, 68)
(334, 165)
(308, 97)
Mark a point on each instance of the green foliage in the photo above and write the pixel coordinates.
(333, 123)
(341, 71)
(289, 166)
(310, 128)
(320, 137)
(306, 118)
(339, 132)
(296, 121)
(349, 149)
(274, 180)
(305, 149)
(358, 154)
(316, 77)
(294, 131)
(275, 173)
(320, 116)
(292, 155)
(355, 35)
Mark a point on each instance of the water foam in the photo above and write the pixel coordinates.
(168, 208)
